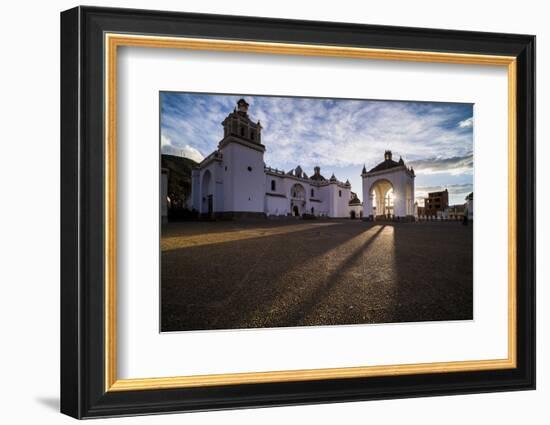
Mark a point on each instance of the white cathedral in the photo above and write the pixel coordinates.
(233, 181)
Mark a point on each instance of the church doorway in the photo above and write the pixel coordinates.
(295, 211)
(352, 215)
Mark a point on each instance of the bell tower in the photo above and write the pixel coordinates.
(242, 170)
(239, 124)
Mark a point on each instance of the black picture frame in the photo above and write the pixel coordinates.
(83, 392)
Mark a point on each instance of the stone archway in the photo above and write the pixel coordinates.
(382, 198)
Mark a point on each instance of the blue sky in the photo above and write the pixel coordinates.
(337, 135)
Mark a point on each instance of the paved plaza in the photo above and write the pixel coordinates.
(273, 273)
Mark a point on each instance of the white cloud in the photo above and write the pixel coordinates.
(454, 165)
(356, 132)
(192, 153)
(467, 123)
(165, 141)
(330, 133)
(186, 151)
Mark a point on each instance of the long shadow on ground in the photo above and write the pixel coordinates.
(346, 273)
(219, 286)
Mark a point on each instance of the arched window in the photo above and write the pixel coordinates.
(340, 193)
(312, 193)
(251, 135)
(273, 185)
(242, 131)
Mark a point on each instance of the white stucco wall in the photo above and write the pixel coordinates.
(358, 210)
(317, 201)
(247, 186)
(277, 206)
(336, 199)
(276, 201)
(342, 202)
(195, 189)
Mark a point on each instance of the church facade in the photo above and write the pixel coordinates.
(233, 181)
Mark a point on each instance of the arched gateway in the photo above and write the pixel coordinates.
(388, 189)
(381, 195)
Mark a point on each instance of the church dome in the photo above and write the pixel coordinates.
(354, 199)
(387, 163)
(317, 174)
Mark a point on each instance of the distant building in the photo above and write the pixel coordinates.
(436, 203)
(420, 211)
(436, 208)
(455, 212)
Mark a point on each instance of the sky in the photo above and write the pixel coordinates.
(338, 135)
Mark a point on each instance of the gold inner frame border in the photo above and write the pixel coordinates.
(112, 41)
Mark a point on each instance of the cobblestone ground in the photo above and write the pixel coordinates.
(227, 275)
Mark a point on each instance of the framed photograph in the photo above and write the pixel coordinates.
(261, 212)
